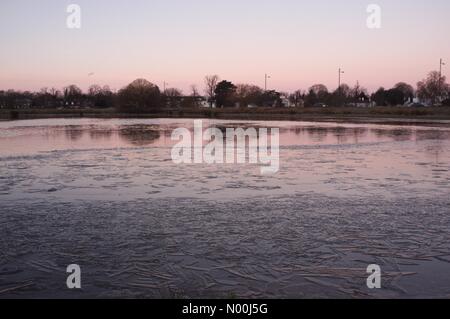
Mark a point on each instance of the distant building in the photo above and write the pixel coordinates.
(285, 102)
(206, 104)
(23, 103)
(186, 102)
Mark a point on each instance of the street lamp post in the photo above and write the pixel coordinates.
(339, 79)
(265, 81)
(339, 85)
(441, 63)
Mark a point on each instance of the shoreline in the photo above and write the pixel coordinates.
(399, 116)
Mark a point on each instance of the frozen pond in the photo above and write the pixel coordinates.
(106, 195)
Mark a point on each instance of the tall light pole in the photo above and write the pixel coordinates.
(339, 78)
(265, 81)
(441, 63)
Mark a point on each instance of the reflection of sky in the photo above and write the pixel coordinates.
(84, 134)
(110, 158)
(298, 42)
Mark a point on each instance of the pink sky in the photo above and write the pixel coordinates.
(299, 43)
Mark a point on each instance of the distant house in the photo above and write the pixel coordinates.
(206, 104)
(416, 102)
(186, 102)
(23, 103)
(362, 101)
(365, 104)
(285, 102)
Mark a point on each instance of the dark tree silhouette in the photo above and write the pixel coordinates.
(317, 93)
(407, 91)
(225, 94)
(72, 95)
(140, 95)
(101, 97)
(210, 87)
(433, 89)
(247, 94)
(297, 98)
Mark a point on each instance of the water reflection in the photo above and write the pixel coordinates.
(373, 185)
(139, 135)
(48, 135)
(74, 133)
(100, 134)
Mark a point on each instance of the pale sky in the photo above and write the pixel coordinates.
(299, 43)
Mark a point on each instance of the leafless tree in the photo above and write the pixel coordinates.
(211, 82)
(296, 98)
(248, 94)
(173, 92)
(433, 88)
(194, 91)
(406, 89)
(72, 94)
(139, 95)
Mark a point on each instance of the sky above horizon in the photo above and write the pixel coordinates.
(298, 43)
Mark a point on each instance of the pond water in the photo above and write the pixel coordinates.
(105, 194)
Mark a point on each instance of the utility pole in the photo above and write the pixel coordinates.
(339, 79)
(265, 81)
(441, 63)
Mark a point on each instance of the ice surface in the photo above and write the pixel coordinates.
(106, 195)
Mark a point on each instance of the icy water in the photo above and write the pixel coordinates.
(105, 194)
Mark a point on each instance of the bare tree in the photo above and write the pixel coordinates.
(432, 88)
(248, 94)
(139, 95)
(296, 98)
(100, 96)
(55, 93)
(194, 91)
(407, 90)
(195, 94)
(94, 90)
(173, 92)
(358, 94)
(72, 95)
(321, 91)
(211, 82)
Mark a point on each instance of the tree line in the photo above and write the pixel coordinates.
(141, 95)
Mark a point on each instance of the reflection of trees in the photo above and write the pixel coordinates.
(435, 150)
(341, 134)
(358, 132)
(432, 135)
(139, 135)
(73, 133)
(319, 134)
(97, 134)
(401, 134)
(223, 129)
(316, 133)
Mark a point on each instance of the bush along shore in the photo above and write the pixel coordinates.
(290, 114)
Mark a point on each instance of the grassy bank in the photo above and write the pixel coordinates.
(297, 114)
